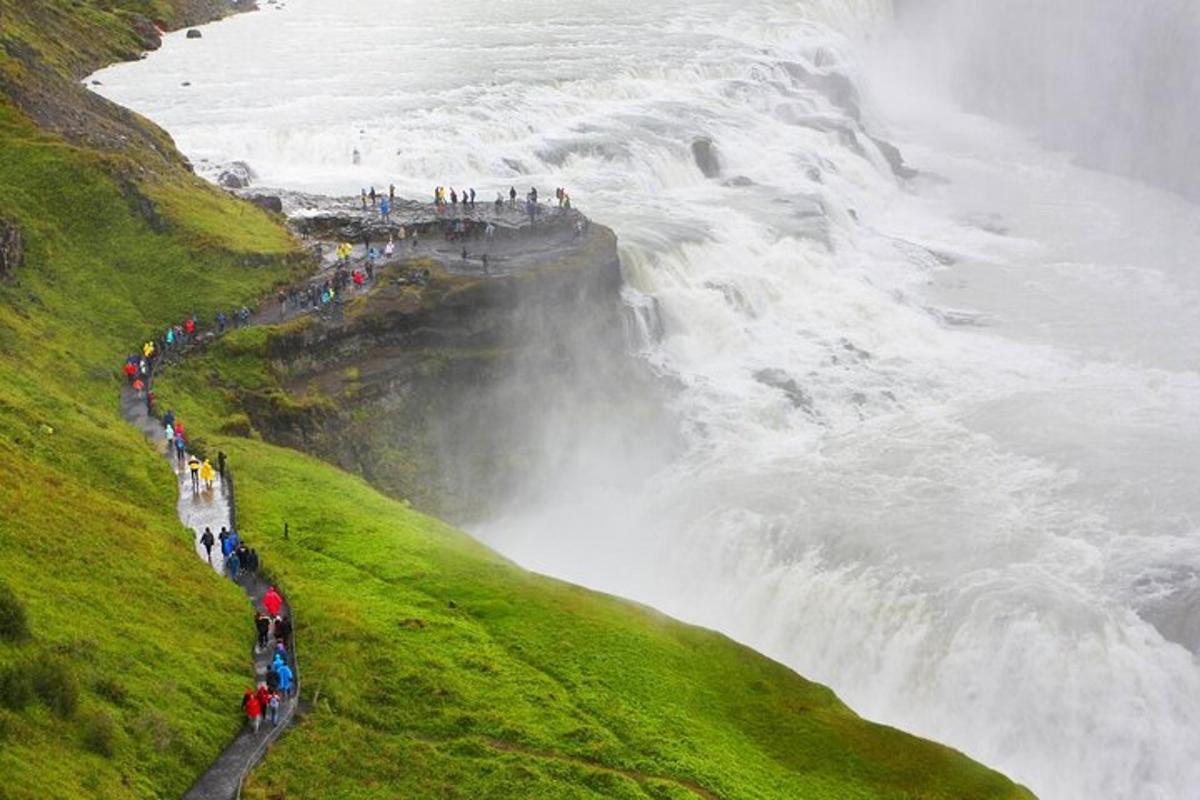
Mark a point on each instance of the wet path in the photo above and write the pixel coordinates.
(213, 509)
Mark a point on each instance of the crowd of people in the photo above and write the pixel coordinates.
(274, 630)
(239, 561)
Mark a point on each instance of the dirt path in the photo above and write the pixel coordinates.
(214, 509)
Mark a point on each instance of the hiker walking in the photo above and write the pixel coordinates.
(207, 540)
(194, 468)
(233, 564)
(272, 601)
(392, 193)
(273, 705)
(286, 676)
(263, 624)
(221, 464)
(180, 448)
(283, 630)
(385, 209)
(372, 196)
(512, 197)
(207, 474)
(253, 709)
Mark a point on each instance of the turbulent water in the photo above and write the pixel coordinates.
(940, 437)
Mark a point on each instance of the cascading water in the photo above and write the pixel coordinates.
(939, 436)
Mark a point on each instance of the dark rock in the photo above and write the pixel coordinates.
(837, 88)
(895, 158)
(237, 175)
(705, 154)
(778, 379)
(147, 32)
(194, 34)
(12, 248)
(267, 202)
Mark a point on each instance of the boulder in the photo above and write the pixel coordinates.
(267, 202)
(237, 175)
(194, 34)
(705, 154)
(12, 248)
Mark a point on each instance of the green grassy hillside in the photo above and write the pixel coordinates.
(437, 668)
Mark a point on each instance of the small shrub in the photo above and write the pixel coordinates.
(111, 690)
(16, 687)
(56, 685)
(14, 626)
(100, 734)
(237, 425)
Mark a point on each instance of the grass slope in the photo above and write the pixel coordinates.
(445, 671)
(124, 684)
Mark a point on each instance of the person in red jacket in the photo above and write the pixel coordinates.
(253, 709)
(263, 696)
(272, 602)
(130, 370)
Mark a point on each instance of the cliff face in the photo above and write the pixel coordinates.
(439, 393)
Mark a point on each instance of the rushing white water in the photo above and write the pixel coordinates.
(941, 439)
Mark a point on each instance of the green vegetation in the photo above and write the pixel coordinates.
(436, 668)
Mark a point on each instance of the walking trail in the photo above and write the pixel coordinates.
(215, 509)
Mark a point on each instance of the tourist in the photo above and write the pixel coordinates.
(286, 677)
(273, 705)
(251, 564)
(221, 464)
(453, 197)
(263, 695)
(499, 201)
(364, 197)
(489, 232)
(385, 209)
(180, 448)
(512, 196)
(233, 564)
(272, 601)
(372, 196)
(253, 709)
(194, 469)
(392, 193)
(283, 630)
(389, 249)
(207, 474)
(206, 539)
(472, 198)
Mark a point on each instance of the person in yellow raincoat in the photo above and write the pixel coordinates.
(207, 474)
(148, 349)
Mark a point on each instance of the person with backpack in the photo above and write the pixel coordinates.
(180, 448)
(207, 474)
(194, 468)
(207, 540)
(233, 564)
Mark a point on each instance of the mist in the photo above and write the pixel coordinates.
(1113, 81)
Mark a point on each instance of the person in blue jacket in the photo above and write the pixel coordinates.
(285, 677)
